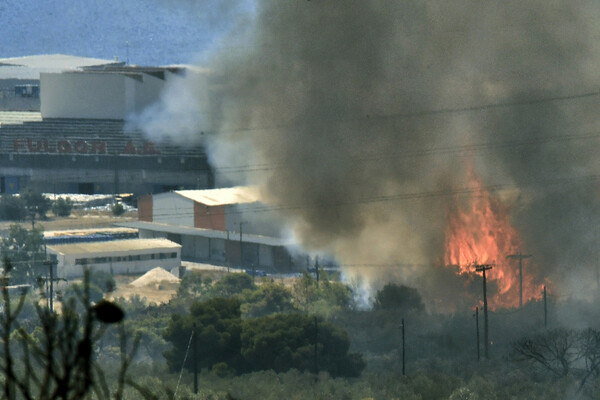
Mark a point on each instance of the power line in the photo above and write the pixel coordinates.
(422, 113)
(473, 190)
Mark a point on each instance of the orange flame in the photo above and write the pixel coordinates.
(479, 231)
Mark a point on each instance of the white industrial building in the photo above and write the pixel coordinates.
(222, 247)
(226, 226)
(133, 256)
(218, 209)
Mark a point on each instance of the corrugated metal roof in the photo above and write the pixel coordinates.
(223, 196)
(114, 246)
(30, 67)
(56, 61)
(208, 233)
(18, 117)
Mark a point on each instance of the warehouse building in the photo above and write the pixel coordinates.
(220, 209)
(222, 247)
(133, 256)
(217, 226)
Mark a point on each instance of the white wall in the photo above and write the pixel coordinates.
(79, 95)
(170, 208)
(68, 269)
(97, 95)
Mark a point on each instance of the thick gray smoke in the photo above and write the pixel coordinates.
(359, 118)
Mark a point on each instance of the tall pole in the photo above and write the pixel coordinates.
(317, 269)
(316, 347)
(403, 350)
(51, 264)
(520, 257)
(195, 356)
(227, 252)
(477, 331)
(483, 268)
(545, 309)
(52, 286)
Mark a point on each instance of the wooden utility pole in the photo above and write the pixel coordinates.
(477, 331)
(545, 309)
(227, 252)
(195, 357)
(316, 348)
(51, 265)
(317, 269)
(520, 257)
(483, 268)
(403, 350)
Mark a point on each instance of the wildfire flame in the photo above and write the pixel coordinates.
(479, 231)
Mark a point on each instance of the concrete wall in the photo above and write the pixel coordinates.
(97, 95)
(68, 268)
(82, 95)
(170, 208)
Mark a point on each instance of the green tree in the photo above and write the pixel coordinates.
(12, 208)
(62, 207)
(232, 284)
(218, 328)
(118, 209)
(268, 298)
(325, 298)
(103, 280)
(76, 290)
(192, 284)
(36, 203)
(59, 358)
(395, 297)
(24, 248)
(285, 341)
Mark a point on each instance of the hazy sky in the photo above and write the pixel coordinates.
(158, 32)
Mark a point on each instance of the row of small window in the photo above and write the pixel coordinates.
(139, 257)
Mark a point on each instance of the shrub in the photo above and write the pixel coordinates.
(103, 280)
(36, 203)
(12, 208)
(62, 207)
(118, 209)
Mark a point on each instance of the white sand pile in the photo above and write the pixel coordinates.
(154, 276)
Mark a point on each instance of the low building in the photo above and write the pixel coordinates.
(132, 256)
(222, 247)
(215, 209)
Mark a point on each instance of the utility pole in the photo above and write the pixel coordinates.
(51, 265)
(317, 269)
(403, 350)
(477, 331)
(520, 257)
(545, 309)
(226, 252)
(483, 268)
(316, 348)
(195, 356)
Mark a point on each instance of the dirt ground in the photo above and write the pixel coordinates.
(79, 219)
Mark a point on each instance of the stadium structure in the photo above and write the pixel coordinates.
(78, 140)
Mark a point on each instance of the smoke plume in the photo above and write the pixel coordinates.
(360, 120)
